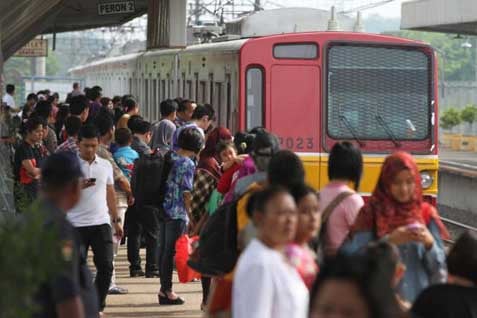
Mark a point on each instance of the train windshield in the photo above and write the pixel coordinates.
(378, 92)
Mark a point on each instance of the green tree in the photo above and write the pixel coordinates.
(469, 114)
(450, 118)
(16, 68)
(31, 253)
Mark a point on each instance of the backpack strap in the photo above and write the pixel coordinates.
(334, 204)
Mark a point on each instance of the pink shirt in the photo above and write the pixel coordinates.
(342, 218)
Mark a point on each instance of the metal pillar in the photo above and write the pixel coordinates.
(2, 79)
(166, 26)
(257, 6)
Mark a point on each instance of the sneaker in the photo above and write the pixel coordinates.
(116, 290)
(152, 274)
(136, 273)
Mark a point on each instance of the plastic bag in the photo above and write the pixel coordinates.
(183, 250)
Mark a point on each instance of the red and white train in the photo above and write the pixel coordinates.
(311, 89)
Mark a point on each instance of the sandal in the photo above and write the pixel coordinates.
(165, 300)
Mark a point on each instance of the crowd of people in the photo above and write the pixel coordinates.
(106, 176)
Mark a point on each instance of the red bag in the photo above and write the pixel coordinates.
(24, 176)
(183, 251)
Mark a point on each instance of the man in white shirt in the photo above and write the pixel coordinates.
(9, 99)
(96, 210)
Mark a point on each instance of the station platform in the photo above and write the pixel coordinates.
(141, 301)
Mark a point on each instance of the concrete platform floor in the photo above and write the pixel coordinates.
(141, 301)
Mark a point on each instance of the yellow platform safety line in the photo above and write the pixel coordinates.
(316, 168)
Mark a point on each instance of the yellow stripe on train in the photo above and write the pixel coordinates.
(316, 167)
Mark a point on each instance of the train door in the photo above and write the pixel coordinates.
(293, 112)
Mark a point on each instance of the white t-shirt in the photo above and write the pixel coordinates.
(9, 100)
(92, 209)
(266, 286)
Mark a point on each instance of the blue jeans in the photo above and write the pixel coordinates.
(169, 232)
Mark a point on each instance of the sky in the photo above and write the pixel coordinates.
(391, 10)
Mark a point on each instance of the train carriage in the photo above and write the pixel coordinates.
(310, 89)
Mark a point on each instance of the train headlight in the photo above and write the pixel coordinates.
(426, 179)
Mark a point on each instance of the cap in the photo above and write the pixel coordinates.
(61, 168)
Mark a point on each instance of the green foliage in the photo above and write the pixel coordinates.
(17, 67)
(31, 253)
(457, 62)
(450, 118)
(469, 114)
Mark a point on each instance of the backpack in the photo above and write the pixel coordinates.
(149, 179)
(217, 252)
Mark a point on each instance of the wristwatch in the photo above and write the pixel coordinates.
(116, 220)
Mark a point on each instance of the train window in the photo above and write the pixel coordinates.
(254, 101)
(188, 92)
(229, 122)
(211, 90)
(307, 51)
(378, 93)
(163, 89)
(146, 97)
(196, 92)
(171, 89)
(217, 102)
(155, 104)
(183, 93)
(202, 91)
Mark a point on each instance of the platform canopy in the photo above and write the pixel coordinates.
(22, 20)
(448, 16)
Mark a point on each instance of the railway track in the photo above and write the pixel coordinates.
(456, 229)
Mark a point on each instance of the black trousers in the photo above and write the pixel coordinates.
(143, 221)
(170, 231)
(100, 238)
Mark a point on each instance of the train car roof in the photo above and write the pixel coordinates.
(236, 45)
(114, 59)
(226, 46)
(340, 35)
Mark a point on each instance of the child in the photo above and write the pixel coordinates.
(391, 266)
(177, 207)
(125, 155)
(230, 164)
(298, 253)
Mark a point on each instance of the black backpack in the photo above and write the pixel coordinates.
(149, 179)
(217, 252)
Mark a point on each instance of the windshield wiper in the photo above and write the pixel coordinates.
(388, 130)
(351, 130)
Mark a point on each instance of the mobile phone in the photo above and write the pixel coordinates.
(92, 180)
(414, 226)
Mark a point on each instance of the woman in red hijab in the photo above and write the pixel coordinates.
(207, 175)
(397, 213)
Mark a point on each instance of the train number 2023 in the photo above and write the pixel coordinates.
(298, 143)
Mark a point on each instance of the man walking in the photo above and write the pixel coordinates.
(70, 292)
(96, 210)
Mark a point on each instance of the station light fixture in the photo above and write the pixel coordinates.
(426, 179)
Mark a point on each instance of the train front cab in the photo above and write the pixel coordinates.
(314, 89)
